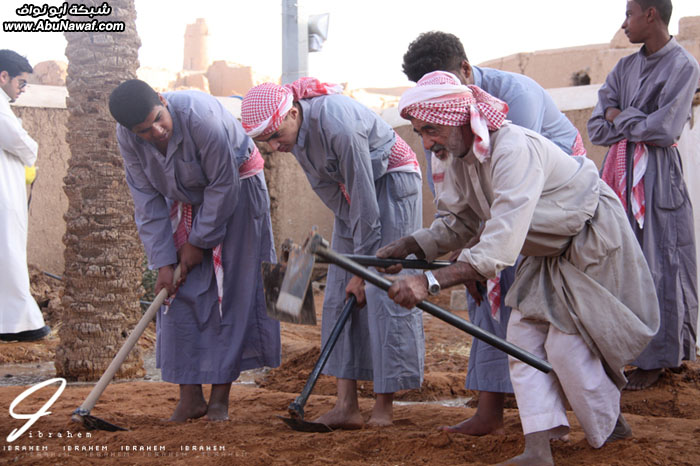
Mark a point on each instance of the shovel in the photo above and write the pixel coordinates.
(82, 413)
(296, 408)
(273, 277)
(317, 246)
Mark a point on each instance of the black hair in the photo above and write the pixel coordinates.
(663, 7)
(14, 63)
(432, 51)
(132, 101)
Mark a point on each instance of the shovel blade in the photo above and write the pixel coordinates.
(95, 423)
(295, 284)
(273, 276)
(305, 426)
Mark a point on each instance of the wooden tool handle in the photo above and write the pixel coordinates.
(126, 348)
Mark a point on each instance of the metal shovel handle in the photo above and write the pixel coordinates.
(297, 406)
(475, 331)
(373, 261)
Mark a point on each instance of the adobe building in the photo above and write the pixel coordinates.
(227, 79)
(49, 73)
(220, 78)
(196, 56)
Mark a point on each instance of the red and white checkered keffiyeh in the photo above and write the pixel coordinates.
(251, 167)
(578, 149)
(181, 221)
(401, 158)
(265, 105)
(440, 98)
(493, 293)
(615, 174)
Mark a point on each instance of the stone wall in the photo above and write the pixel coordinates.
(226, 79)
(294, 207)
(47, 126)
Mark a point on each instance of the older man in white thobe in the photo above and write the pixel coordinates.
(583, 296)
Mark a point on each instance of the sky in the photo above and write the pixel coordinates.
(366, 39)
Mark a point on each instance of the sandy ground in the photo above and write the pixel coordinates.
(665, 419)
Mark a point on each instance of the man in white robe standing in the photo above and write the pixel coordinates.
(20, 317)
(582, 297)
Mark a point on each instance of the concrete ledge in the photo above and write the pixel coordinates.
(38, 95)
(575, 98)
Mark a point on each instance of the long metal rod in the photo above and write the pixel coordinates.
(297, 406)
(437, 311)
(373, 261)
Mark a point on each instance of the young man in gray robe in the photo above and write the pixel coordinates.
(582, 297)
(641, 111)
(369, 177)
(200, 200)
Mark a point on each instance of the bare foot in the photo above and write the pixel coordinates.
(380, 421)
(218, 402)
(537, 451)
(383, 411)
(476, 427)
(217, 412)
(621, 431)
(191, 404)
(487, 420)
(184, 411)
(640, 379)
(337, 418)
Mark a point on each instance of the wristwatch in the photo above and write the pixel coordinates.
(433, 285)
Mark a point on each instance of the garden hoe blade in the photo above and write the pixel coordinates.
(297, 279)
(273, 275)
(94, 423)
(301, 425)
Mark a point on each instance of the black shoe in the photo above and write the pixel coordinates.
(27, 335)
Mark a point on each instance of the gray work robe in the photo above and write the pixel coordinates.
(537, 201)
(655, 94)
(341, 141)
(195, 344)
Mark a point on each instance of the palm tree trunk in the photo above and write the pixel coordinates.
(103, 253)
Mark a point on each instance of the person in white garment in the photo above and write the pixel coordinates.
(20, 317)
(583, 296)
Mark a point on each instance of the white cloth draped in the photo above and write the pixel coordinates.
(18, 310)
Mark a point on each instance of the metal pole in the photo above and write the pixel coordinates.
(381, 282)
(295, 41)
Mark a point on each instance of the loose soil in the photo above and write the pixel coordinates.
(665, 419)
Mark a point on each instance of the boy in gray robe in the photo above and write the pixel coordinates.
(641, 111)
(201, 201)
(369, 177)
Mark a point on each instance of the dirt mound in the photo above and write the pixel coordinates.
(665, 419)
